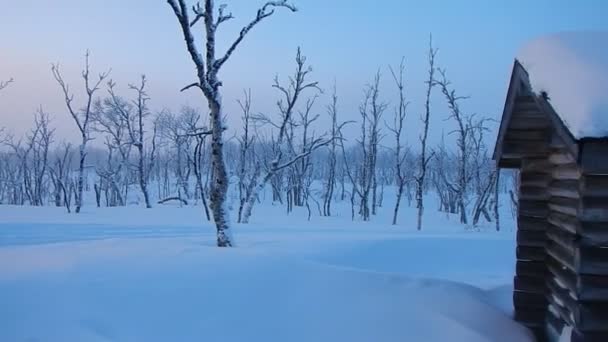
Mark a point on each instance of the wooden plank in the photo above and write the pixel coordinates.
(531, 284)
(594, 160)
(593, 233)
(533, 208)
(584, 287)
(565, 239)
(518, 149)
(530, 268)
(592, 288)
(599, 336)
(566, 222)
(566, 277)
(531, 238)
(562, 296)
(527, 135)
(541, 179)
(530, 317)
(506, 162)
(562, 312)
(561, 255)
(568, 188)
(533, 192)
(530, 253)
(529, 123)
(561, 157)
(594, 215)
(525, 222)
(592, 260)
(566, 171)
(591, 317)
(529, 300)
(594, 186)
(564, 205)
(537, 165)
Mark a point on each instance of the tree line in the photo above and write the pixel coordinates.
(187, 155)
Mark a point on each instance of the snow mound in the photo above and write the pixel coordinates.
(572, 68)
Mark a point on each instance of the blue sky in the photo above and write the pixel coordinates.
(343, 40)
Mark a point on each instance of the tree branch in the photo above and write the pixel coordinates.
(264, 12)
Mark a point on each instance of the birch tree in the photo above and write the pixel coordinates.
(281, 159)
(330, 185)
(371, 111)
(81, 117)
(61, 178)
(462, 131)
(248, 169)
(424, 157)
(401, 152)
(207, 69)
(137, 136)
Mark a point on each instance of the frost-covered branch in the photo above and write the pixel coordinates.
(4, 84)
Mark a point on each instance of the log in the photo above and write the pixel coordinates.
(561, 255)
(566, 171)
(564, 205)
(169, 199)
(531, 268)
(531, 223)
(564, 188)
(533, 208)
(529, 300)
(530, 253)
(531, 238)
(531, 284)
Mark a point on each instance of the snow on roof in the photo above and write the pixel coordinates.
(572, 68)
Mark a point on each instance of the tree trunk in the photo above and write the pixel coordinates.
(219, 185)
(80, 185)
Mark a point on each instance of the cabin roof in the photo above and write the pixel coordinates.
(547, 106)
(571, 70)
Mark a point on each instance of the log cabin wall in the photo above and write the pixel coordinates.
(530, 288)
(562, 251)
(577, 247)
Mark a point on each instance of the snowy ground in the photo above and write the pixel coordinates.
(131, 274)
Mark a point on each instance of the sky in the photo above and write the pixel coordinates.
(345, 41)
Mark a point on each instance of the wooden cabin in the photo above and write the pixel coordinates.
(561, 280)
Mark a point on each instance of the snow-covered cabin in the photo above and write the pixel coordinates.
(554, 129)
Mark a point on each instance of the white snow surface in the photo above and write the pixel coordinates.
(133, 274)
(572, 68)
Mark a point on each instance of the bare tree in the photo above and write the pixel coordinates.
(281, 159)
(81, 117)
(41, 139)
(463, 130)
(330, 185)
(61, 178)
(209, 83)
(137, 135)
(424, 158)
(401, 152)
(248, 170)
(114, 117)
(371, 111)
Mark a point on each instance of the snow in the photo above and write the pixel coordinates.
(572, 68)
(133, 274)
